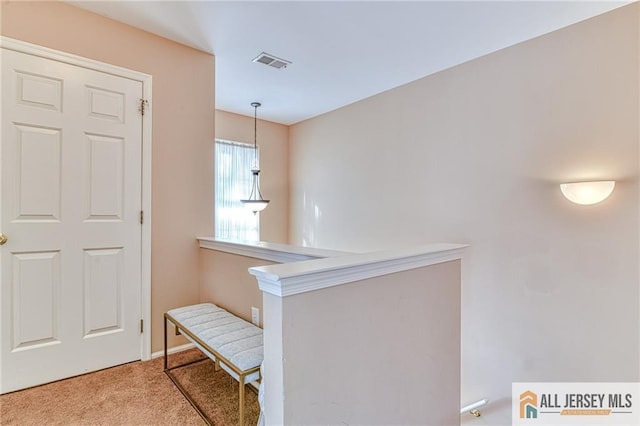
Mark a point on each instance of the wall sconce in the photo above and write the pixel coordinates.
(587, 193)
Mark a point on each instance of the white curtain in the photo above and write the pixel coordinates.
(233, 163)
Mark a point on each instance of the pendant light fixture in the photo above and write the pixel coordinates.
(255, 203)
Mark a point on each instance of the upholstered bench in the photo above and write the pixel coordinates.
(234, 344)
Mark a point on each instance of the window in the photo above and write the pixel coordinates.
(233, 163)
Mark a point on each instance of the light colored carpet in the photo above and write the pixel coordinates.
(139, 393)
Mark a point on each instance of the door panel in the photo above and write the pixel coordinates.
(39, 91)
(36, 283)
(103, 291)
(37, 174)
(105, 178)
(70, 167)
(105, 104)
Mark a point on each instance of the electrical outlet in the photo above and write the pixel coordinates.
(255, 316)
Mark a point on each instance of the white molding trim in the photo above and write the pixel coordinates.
(147, 144)
(290, 279)
(69, 58)
(147, 83)
(280, 253)
(173, 350)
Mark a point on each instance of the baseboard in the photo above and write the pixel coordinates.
(173, 350)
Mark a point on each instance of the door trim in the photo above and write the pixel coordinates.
(146, 80)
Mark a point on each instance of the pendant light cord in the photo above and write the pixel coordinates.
(255, 106)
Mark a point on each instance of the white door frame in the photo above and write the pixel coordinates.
(146, 80)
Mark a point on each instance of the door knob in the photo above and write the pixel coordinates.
(3, 239)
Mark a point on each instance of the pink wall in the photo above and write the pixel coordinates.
(224, 280)
(183, 130)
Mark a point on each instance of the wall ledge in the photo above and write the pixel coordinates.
(304, 276)
(275, 252)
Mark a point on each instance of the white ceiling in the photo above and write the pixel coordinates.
(341, 51)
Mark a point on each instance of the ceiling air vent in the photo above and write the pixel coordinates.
(272, 61)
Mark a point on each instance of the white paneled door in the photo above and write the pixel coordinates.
(71, 199)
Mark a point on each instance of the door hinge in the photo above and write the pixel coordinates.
(141, 326)
(141, 217)
(144, 104)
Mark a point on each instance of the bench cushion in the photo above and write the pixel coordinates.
(237, 340)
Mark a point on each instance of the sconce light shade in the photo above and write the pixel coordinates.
(587, 193)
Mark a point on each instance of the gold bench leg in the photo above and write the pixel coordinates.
(241, 381)
(242, 375)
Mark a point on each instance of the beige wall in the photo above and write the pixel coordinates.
(183, 131)
(224, 280)
(379, 351)
(474, 154)
(273, 141)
